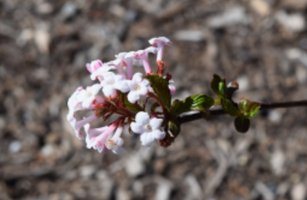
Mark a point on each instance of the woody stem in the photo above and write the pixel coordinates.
(264, 106)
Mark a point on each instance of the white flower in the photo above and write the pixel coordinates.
(111, 82)
(98, 72)
(72, 121)
(75, 104)
(87, 97)
(148, 128)
(137, 87)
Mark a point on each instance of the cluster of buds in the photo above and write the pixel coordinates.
(122, 98)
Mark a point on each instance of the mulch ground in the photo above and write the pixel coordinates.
(44, 46)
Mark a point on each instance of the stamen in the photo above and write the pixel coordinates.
(137, 87)
(149, 127)
(110, 143)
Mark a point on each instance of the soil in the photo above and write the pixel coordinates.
(261, 44)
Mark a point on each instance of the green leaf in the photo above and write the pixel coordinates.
(252, 109)
(242, 124)
(217, 101)
(174, 127)
(128, 105)
(248, 108)
(218, 85)
(179, 107)
(199, 102)
(160, 87)
(242, 104)
(229, 108)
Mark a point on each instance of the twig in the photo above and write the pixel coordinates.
(195, 116)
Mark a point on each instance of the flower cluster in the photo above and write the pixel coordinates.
(122, 99)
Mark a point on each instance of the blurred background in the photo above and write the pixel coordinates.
(45, 44)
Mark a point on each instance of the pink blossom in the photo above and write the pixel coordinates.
(128, 58)
(74, 104)
(88, 96)
(143, 56)
(160, 43)
(94, 65)
(148, 128)
(116, 142)
(72, 121)
(97, 69)
(119, 66)
(77, 125)
(171, 86)
(96, 138)
(172, 89)
(132, 88)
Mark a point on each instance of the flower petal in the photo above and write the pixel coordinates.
(143, 90)
(94, 89)
(136, 128)
(137, 77)
(133, 96)
(119, 142)
(155, 123)
(147, 139)
(81, 96)
(122, 86)
(119, 150)
(87, 102)
(130, 54)
(142, 118)
(151, 50)
(108, 90)
(157, 134)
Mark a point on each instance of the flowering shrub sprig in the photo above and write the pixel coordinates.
(122, 98)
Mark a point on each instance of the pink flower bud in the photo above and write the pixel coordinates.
(94, 65)
(96, 138)
(160, 43)
(143, 56)
(127, 59)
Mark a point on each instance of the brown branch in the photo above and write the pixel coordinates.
(195, 116)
